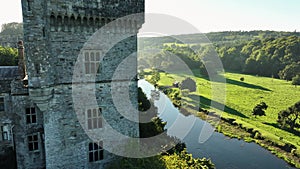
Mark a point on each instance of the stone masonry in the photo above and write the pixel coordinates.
(50, 131)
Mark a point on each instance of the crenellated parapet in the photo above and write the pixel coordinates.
(78, 23)
(104, 8)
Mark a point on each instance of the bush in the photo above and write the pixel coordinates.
(219, 128)
(257, 135)
(294, 151)
(296, 80)
(144, 103)
(137, 163)
(259, 109)
(180, 160)
(185, 160)
(8, 56)
(290, 117)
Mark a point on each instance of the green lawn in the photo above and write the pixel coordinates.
(241, 97)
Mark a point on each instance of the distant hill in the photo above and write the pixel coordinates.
(214, 37)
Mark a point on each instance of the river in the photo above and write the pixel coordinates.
(225, 153)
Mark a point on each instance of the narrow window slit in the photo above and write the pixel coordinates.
(29, 5)
(44, 33)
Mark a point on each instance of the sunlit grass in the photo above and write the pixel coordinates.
(241, 97)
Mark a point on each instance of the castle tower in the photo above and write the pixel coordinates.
(55, 36)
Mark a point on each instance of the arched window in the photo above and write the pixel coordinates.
(59, 23)
(52, 22)
(72, 23)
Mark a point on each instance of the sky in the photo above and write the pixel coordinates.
(208, 15)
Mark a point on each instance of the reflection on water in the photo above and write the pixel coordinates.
(224, 152)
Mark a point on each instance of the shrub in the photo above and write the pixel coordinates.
(296, 80)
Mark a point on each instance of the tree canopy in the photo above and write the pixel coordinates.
(11, 29)
(290, 71)
(8, 56)
(155, 77)
(290, 117)
(259, 109)
(264, 53)
(296, 80)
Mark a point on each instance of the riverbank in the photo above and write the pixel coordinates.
(175, 154)
(281, 143)
(231, 128)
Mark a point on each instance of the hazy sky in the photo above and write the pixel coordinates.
(208, 15)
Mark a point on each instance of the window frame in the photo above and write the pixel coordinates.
(94, 118)
(92, 62)
(4, 134)
(31, 115)
(33, 141)
(95, 151)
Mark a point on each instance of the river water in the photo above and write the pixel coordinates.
(225, 153)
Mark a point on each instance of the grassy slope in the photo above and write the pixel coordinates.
(241, 97)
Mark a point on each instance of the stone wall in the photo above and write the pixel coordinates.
(55, 36)
(26, 159)
(7, 74)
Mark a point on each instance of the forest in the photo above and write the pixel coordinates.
(262, 53)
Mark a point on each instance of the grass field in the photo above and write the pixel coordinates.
(241, 97)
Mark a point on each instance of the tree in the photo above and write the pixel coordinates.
(251, 66)
(259, 109)
(144, 103)
(11, 29)
(155, 77)
(296, 80)
(189, 84)
(290, 71)
(184, 160)
(290, 117)
(8, 56)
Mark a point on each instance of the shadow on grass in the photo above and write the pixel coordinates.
(247, 85)
(219, 78)
(206, 103)
(297, 133)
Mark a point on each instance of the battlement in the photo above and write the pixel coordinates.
(46, 16)
(78, 23)
(103, 8)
